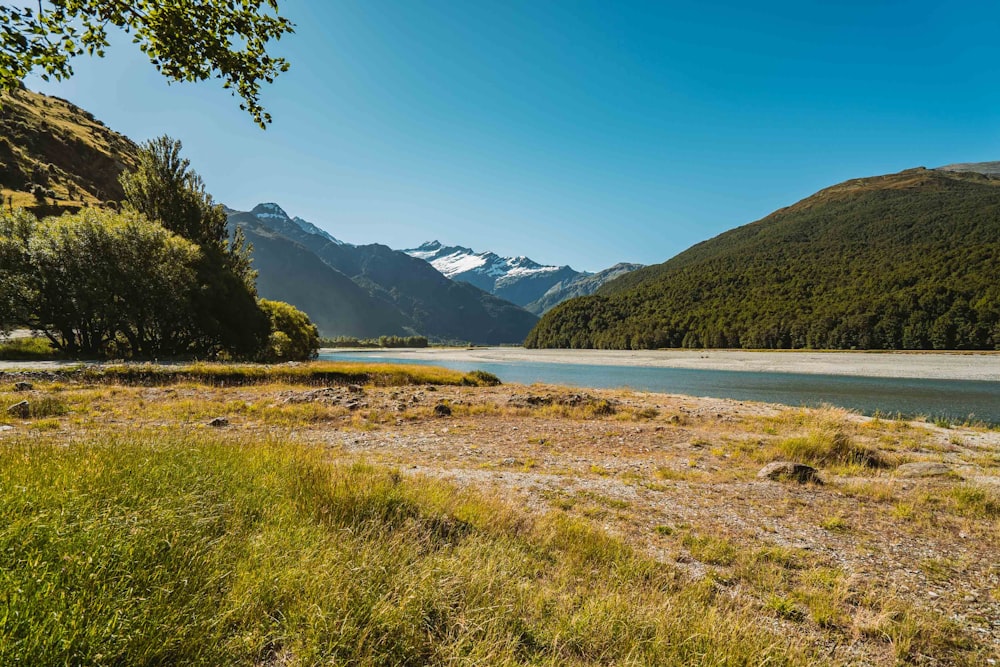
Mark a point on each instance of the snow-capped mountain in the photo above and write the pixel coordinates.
(273, 213)
(517, 279)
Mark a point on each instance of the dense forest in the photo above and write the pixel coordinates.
(905, 261)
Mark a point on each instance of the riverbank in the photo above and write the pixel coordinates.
(882, 563)
(923, 365)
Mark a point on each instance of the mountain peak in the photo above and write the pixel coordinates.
(270, 210)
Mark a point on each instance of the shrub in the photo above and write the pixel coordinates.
(293, 335)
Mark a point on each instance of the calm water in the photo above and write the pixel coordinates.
(951, 399)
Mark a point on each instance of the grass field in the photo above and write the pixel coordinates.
(133, 533)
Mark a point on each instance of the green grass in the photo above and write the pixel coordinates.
(827, 447)
(157, 548)
(315, 373)
(27, 349)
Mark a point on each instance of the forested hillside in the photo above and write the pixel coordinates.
(904, 261)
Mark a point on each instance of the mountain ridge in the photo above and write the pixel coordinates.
(899, 261)
(425, 301)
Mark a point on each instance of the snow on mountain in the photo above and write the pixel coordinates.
(517, 279)
(310, 228)
(271, 212)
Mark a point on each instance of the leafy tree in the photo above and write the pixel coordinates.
(293, 336)
(164, 188)
(99, 283)
(186, 40)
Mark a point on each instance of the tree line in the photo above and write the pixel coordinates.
(159, 278)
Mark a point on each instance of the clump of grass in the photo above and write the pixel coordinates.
(710, 549)
(39, 407)
(827, 447)
(785, 608)
(974, 501)
(479, 378)
(835, 524)
(27, 349)
(156, 548)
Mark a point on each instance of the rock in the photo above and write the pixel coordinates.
(779, 470)
(219, 422)
(22, 410)
(355, 388)
(442, 410)
(5, 427)
(23, 386)
(923, 469)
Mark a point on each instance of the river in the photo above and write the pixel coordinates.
(952, 399)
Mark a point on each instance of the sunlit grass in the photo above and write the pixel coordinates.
(141, 548)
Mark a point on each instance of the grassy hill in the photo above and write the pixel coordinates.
(70, 156)
(902, 261)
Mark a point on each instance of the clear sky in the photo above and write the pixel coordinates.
(581, 133)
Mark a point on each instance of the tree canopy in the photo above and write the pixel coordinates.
(165, 188)
(186, 40)
(99, 283)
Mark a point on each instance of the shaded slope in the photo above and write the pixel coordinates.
(337, 306)
(424, 300)
(439, 307)
(904, 261)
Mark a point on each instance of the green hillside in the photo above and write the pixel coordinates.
(903, 261)
(72, 158)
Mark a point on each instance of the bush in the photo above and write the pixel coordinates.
(293, 335)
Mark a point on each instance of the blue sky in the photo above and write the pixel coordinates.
(581, 133)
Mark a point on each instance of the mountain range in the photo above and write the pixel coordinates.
(521, 280)
(370, 290)
(901, 261)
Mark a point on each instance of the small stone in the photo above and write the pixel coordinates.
(923, 469)
(442, 410)
(779, 470)
(22, 410)
(219, 422)
(5, 427)
(23, 386)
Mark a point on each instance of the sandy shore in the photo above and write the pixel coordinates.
(931, 365)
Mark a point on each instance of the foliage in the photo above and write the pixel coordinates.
(906, 261)
(158, 548)
(293, 336)
(27, 349)
(164, 188)
(381, 341)
(186, 40)
(99, 283)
